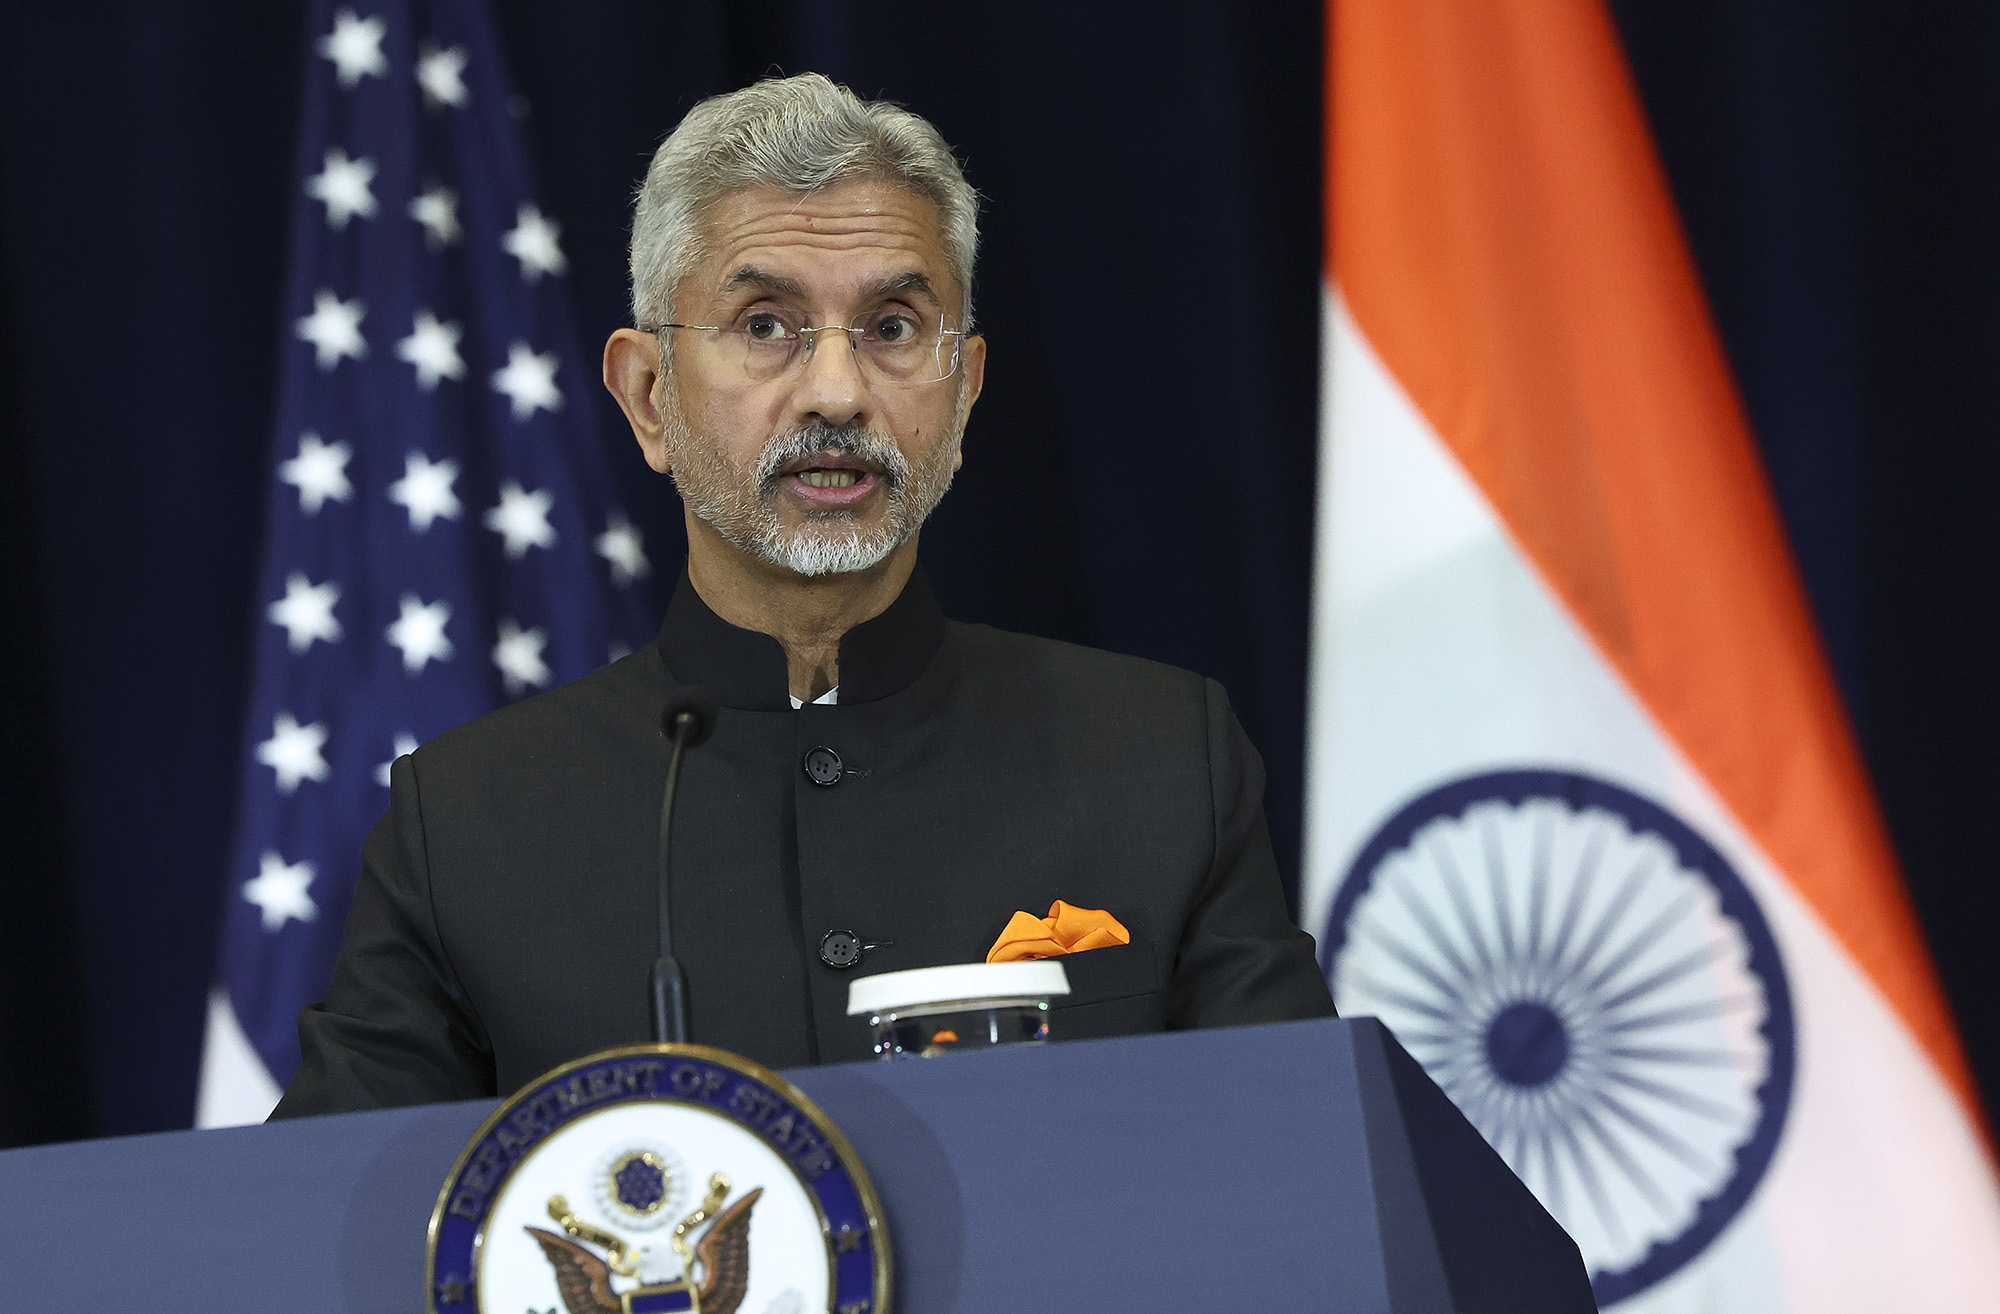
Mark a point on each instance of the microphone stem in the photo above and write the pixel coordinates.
(669, 982)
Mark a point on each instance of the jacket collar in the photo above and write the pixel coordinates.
(746, 669)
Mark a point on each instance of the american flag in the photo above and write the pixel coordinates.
(441, 533)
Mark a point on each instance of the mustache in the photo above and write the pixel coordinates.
(816, 438)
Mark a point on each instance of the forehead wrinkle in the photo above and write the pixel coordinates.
(790, 253)
(861, 232)
(763, 214)
(770, 231)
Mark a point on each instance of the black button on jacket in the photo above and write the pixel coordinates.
(504, 919)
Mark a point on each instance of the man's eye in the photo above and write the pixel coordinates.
(896, 328)
(765, 328)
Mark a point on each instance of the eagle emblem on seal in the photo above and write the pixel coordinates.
(714, 1270)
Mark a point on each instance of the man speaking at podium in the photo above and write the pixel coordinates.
(884, 789)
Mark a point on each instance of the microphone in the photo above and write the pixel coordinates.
(688, 720)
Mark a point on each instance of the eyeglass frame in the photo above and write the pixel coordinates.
(957, 347)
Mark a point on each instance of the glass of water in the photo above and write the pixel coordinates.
(929, 1011)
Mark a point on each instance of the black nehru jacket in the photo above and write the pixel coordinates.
(504, 921)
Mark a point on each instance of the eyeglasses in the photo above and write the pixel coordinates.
(896, 346)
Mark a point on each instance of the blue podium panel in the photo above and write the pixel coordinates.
(1308, 1165)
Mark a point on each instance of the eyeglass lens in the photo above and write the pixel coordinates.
(896, 345)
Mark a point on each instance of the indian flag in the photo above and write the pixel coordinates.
(1587, 827)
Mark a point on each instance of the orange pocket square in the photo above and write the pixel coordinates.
(1066, 930)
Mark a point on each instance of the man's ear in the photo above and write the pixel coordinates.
(972, 359)
(632, 373)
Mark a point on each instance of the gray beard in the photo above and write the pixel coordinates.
(830, 542)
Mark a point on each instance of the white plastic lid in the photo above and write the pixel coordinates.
(925, 986)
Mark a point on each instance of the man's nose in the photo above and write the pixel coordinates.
(832, 385)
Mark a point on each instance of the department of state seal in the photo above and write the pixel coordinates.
(657, 1179)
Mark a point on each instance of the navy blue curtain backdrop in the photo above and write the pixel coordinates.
(1138, 475)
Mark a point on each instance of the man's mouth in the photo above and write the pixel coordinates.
(831, 481)
(831, 472)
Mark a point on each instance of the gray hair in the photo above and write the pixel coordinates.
(796, 134)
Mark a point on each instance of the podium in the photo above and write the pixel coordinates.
(1299, 1166)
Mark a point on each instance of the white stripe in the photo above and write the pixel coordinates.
(236, 1088)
